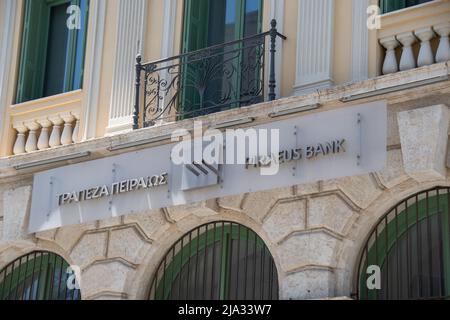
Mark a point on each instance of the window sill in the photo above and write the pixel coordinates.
(48, 103)
(46, 123)
(414, 18)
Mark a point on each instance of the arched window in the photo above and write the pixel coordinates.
(217, 261)
(39, 275)
(410, 245)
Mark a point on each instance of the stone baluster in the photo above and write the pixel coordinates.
(66, 137)
(44, 137)
(76, 129)
(390, 64)
(407, 61)
(19, 145)
(55, 138)
(443, 52)
(426, 56)
(31, 144)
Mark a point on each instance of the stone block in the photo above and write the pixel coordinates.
(16, 204)
(307, 248)
(285, 217)
(424, 140)
(329, 211)
(91, 247)
(308, 285)
(109, 276)
(127, 244)
(201, 209)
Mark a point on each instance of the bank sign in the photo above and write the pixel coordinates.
(322, 146)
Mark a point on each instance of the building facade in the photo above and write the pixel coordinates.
(92, 90)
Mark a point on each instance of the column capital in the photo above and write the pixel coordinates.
(389, 43)
(32, 125)
(56, 120)
(407, 39)
(425, 34)
(442, 29)
(20, 127)
(67, 117)
(44, 122)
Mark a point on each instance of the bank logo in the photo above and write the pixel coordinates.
(252, 148)
(206, 147)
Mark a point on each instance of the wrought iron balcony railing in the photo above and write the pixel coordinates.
(209, 80)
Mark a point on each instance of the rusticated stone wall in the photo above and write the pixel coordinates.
(315, 232)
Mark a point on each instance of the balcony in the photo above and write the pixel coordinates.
(214, 79)
(415, 37)
(46, 123)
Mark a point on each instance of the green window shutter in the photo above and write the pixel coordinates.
(79, 50)
(196, 25)
(33, 51)
(35, 72)
(394, 5)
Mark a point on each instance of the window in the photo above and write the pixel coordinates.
(217, 261)
(227, 76)
(411, 245)
(37, 276)
(393, 5)
(52, 54)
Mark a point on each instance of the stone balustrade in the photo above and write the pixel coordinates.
(47, 132)
(406, 42)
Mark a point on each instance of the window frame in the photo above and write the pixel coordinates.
(26, 91)
(386, 9)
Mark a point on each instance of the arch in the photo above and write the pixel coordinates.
(410, 245)
(216, 261)
(38, 275)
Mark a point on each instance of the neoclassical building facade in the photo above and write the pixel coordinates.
(67, 112)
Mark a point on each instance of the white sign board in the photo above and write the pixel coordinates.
(328, 145)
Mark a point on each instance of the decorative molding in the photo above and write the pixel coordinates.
(315, 33)
(93, 69)
(130, 40)
(168, 35)
(360, 41)
(7, 21)
(316, 230)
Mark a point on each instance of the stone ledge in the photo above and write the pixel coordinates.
(329, 99)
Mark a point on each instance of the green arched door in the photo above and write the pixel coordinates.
(39, 275)
(411, 247)
(217, 261)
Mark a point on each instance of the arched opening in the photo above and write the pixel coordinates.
(407, 255)
(217, 261)
(39, 275)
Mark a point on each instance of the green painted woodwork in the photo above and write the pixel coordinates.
(405, 222)
(34, 56)
(40, 276)
(221, 237)
(394, 5)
